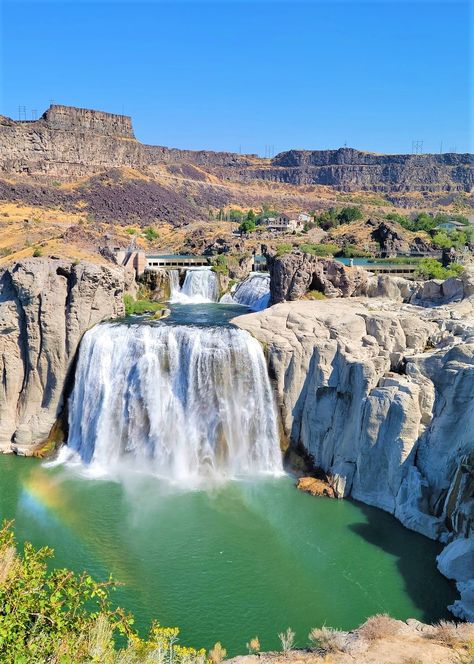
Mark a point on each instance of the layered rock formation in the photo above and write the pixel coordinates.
(381, 395)
(68, 141)
(352, 170)
(45, 308)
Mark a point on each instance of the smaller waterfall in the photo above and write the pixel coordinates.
(174, 283)
(253, 292)
(200, 285)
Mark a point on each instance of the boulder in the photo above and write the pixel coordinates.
(296, 273)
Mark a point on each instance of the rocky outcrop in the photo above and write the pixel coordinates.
(45, 308)
(381, 395)
(293, 275)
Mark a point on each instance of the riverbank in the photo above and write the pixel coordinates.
(380, 640)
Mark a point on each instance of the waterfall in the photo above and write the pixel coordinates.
(174, 283)
(253, 292)
(200, 285)
(181, 402)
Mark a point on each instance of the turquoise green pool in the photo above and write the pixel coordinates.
(241, 560)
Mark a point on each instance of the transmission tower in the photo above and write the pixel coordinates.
(34, 114)
(417, 147)
(22, 112)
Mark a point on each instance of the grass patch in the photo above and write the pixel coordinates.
(141, 306)
(319, 249)
(315, 295)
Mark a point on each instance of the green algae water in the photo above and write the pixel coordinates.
(246, 558)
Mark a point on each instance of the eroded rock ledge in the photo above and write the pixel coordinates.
(45, 308)
(381, 395)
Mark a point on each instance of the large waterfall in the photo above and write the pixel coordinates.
(182, 402)
(200, 285)
(253, 292)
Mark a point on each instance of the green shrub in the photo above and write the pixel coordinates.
(349, 214)
(140, 306)
(151, 234)
(61, 616)
(131, 231)
(219, 264)
(430, 268)
(37, 252)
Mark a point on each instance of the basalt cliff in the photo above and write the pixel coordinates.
(45, 308)
(68, 141)
(379, 392)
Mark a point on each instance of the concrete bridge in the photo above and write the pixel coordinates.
(172, 261)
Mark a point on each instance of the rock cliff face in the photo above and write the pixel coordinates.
(351, 170)
(45, 308)
(381, 395)
(69, 141)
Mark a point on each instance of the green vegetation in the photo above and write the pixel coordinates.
(37, 252)
(140, 306)
(335, 217)
(219, 264)
(5, 251)
(424, 221)
(315, 295)
(131, 231)
(430, 268)
(151, 234)
(353, 251)
(249, 224)
(283, 248)
(319, 249)
(62, 617)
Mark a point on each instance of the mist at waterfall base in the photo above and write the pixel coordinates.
(246, 558)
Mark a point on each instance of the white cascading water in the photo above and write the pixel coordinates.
(182, 402)
(200, 285)
(174, 283)
(253, 292)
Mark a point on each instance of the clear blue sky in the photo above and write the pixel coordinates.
(223, 75)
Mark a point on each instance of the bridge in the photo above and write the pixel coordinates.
(173, 261)
(407, 270)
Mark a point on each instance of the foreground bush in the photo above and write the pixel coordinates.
(60, 617)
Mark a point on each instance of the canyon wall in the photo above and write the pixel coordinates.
(68, 142)
(45, 308)
(380, 394)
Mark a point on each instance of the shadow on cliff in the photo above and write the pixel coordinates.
(415, 559)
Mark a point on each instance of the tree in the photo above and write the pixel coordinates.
(349, 214)
(247, 226)
(251, 216)
(151, 234)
